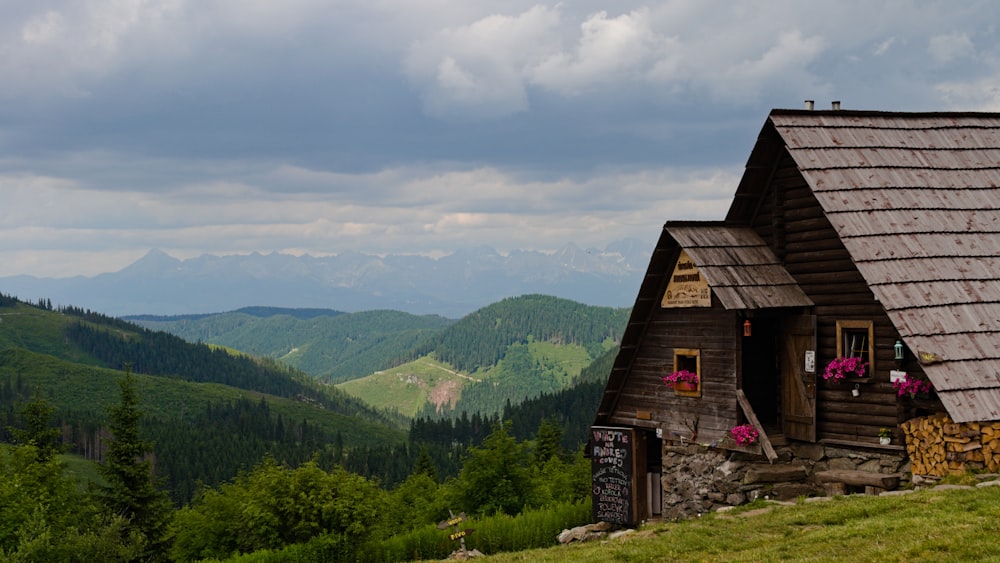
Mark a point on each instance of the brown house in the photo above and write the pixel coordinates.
(852, 234)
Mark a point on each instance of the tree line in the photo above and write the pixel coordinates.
(46, 515)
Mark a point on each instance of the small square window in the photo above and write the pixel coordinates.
(855, 340)
(689, 360)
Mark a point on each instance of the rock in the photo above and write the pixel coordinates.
(993, 483)
(617, 534)
(788, 491)
(947, 487)
(897, 493)
(734, 499)
(729, 467)
(872, 466)
(815, 452)
(584, 533)
(841, 463)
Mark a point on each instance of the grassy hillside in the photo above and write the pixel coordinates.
(513, 350)
(524, 372)
(481, 339)
(929, 525)
(335, 347)
(407, 388)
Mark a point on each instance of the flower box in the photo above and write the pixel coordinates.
(843, 368)
(684, 383)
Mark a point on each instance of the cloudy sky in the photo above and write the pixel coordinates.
(406, 126)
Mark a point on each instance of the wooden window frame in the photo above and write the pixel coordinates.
(846, 327)
(679, 355)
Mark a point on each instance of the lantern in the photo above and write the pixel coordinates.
(746, 328)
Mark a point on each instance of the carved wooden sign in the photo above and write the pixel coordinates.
(687, 287)
(458, 534)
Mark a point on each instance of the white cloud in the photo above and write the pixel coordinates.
(977, 95)
(476, 70)
(609, 50)
(883, 47)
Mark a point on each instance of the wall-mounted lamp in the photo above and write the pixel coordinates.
(898, 349)
(747, 330)
(856, 392)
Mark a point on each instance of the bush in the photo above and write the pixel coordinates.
(531, 529)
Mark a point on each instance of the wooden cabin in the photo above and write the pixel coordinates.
(852, 234)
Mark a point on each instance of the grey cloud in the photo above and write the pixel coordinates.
(223, 126)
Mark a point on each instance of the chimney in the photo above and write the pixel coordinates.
(835, 105)
(810, 104)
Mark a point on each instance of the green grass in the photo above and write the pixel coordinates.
(407, 387)
(932, 525)
(31, 328)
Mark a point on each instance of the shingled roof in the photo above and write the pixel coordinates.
(915, 198)
(738, 265)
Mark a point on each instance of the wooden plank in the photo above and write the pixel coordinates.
(765, 442)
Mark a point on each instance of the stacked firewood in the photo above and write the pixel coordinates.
(937, 446)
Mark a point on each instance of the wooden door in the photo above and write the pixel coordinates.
(798, 387)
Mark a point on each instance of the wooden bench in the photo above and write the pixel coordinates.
(836, 481)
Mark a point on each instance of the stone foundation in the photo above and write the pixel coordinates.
(698, 479)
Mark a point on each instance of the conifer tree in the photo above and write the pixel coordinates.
(548, 444)
(131, 491)
(425, 464)
(36, 416)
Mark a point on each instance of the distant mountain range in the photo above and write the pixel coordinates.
(451, 286)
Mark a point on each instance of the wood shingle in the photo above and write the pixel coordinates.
(915, 198)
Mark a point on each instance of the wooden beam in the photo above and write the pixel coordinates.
(859, 478)
(765, 442)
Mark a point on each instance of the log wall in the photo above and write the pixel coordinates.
(795, 226)
(647, 402)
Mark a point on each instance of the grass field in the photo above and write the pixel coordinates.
(929, 525)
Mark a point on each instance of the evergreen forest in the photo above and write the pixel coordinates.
(119, 442)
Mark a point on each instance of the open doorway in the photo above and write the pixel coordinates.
(761, 381)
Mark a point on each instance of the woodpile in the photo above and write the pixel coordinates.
(937, 446)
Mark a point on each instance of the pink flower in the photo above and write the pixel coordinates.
(680, 376)
(906, 386)
(839, 368)
(744, 434)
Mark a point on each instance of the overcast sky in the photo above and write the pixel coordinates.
(405, 126)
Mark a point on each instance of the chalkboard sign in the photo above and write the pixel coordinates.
(611, 467)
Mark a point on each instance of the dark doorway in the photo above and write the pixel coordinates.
(761, 371)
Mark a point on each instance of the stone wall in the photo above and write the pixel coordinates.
(698, 479)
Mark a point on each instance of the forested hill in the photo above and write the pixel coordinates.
(481, 339)
(331, 347)
(210, 412)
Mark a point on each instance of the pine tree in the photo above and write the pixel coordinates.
(425, 464)
(37, 418)
(548, 444)
(131, 491)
